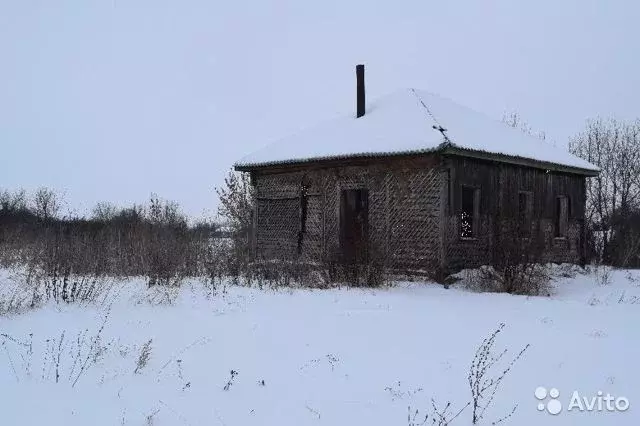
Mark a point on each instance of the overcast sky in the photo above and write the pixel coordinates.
(113, 100)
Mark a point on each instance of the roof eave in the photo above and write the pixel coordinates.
(446, 149)
(247, 167)
(520, 161)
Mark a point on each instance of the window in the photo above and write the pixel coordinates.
(469, 212)
(561, 216)
(525, 213)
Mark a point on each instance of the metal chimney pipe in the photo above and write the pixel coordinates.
(360, 91)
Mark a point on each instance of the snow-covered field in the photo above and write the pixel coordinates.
(317, 357)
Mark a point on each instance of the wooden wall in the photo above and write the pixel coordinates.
(404, 209)
(500, 185)
(414, 208)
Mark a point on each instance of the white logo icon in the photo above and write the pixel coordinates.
(553, 406)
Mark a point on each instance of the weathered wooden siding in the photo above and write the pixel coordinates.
(414, 209)
(404, 210)
(500, 185)
(277, 216)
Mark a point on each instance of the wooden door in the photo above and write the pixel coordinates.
(354, 225)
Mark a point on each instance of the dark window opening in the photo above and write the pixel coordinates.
(561, 218)
(525, 210)
(469, 212)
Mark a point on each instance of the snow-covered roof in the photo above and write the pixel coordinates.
(403, 123)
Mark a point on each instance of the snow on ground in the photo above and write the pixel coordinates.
(318, 357)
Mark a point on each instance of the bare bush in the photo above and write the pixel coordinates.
(525, 279)
(281, 273)
(366, 269)
(367, 274)
(16, 297)
(565, 270)
(298, 272)
(166, 243)
(158, 295)
(232, 377)
(143, 357)
(440, 416)
(216, 258)
(516, 263)
(602, 274)
(236, 199)
(63, 359)
(485, 376)
(154, 241)
(31, 287)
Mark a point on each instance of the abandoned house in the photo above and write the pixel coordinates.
(418, 181)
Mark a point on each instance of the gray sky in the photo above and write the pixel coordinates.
(113, 100)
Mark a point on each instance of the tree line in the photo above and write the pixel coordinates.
(613, 197)
(153, 240)
(612, 216)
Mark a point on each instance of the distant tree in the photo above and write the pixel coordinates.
(163, 212)
(47, 203)
(236, 198)
(236, 202)
(515, 120)
(13, 202)
(104, 211)
(134, 214)
(624, 246)
(613, 146)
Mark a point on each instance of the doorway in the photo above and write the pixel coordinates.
(354, 224)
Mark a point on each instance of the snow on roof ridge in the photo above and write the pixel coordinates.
(474, 111)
